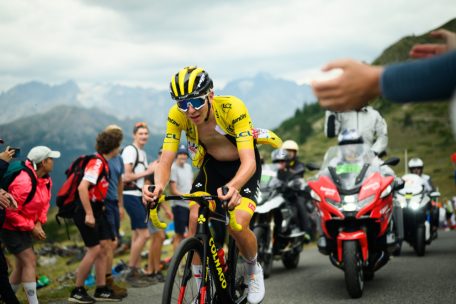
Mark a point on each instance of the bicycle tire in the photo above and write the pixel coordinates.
(236, 268)
(179, 279)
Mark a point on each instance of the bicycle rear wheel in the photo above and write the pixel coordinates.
(237, 271)
(180, 286)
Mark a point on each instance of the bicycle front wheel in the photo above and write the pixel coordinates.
(180, 286)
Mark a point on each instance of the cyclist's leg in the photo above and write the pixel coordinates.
(199, 186)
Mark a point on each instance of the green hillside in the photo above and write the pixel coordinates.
(423, 130)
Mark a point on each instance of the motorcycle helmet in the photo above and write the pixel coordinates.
(290, 145)
(350, 143)
(190, 82)
(279, 155)
(415, 165)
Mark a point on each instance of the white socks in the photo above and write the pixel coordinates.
(30, 291)
(251, 265)
(197, 271)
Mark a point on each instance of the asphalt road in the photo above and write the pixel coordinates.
(405, 279)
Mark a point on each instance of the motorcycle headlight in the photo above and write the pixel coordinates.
(366, 200)
(349, 207)
(414, 205)
(315, 196)
(386, 192)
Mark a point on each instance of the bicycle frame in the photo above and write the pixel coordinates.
(224, 282)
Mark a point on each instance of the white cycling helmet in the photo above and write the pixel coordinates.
(415, 163)
(290, 145)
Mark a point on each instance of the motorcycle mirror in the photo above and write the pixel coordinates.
(393, 161)
(399, 184)
(435, 194)
(312, 166)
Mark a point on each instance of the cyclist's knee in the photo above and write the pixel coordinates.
(193, 216)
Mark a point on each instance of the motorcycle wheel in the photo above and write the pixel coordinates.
(264, 258)
(291, 260)
(420, 242)
(353, 268)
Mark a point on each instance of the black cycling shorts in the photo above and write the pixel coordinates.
(214, 174)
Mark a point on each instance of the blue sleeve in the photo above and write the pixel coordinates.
(420, 80)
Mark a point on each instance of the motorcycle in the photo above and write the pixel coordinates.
(417, 213)
(274, 221)
(355, 205)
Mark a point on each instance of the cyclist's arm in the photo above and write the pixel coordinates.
(163, 170)
(245, 146)
(174, 128)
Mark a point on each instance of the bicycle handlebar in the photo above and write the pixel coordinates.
(200, 199)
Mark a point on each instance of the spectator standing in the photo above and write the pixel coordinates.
(91, 221)
(181, 180)
(25, 223)
(114, 209)
(136, 169)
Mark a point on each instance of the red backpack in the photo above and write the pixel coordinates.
(68, 194)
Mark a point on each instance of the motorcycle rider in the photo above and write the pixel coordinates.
(294, 165)
(285, 172)
(415, 166)
(367, 121)
(292, 149)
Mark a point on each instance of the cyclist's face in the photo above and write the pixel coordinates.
(198, 116)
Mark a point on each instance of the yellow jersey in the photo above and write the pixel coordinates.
(232, 119)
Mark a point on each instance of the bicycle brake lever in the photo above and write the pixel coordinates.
(225, 190)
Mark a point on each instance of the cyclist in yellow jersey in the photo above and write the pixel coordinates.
(222, 143)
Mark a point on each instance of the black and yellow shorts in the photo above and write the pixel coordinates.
(214, 174)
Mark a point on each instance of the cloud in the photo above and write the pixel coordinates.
(145, 42)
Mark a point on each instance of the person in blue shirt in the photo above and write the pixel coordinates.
(427, 79)
(114, 209)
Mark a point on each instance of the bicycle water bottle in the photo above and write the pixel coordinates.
(221, 256)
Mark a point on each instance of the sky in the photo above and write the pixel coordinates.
(144, 42)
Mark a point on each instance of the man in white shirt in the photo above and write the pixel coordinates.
(180, 183)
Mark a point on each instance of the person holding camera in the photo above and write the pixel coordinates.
(25, 222)
(6, 202)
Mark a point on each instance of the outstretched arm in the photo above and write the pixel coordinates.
(427, 50)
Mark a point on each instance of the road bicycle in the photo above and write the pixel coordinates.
(218, 283)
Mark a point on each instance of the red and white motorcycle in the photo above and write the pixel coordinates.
(355, 205)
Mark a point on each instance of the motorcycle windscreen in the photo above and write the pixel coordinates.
(348, 161)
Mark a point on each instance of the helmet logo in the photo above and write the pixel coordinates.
(201, 80)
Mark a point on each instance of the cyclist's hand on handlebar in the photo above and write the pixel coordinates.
(151, 197)
(233, 197)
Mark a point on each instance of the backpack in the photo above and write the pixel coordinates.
(68, 194)
(132, 185)
(14, 169)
